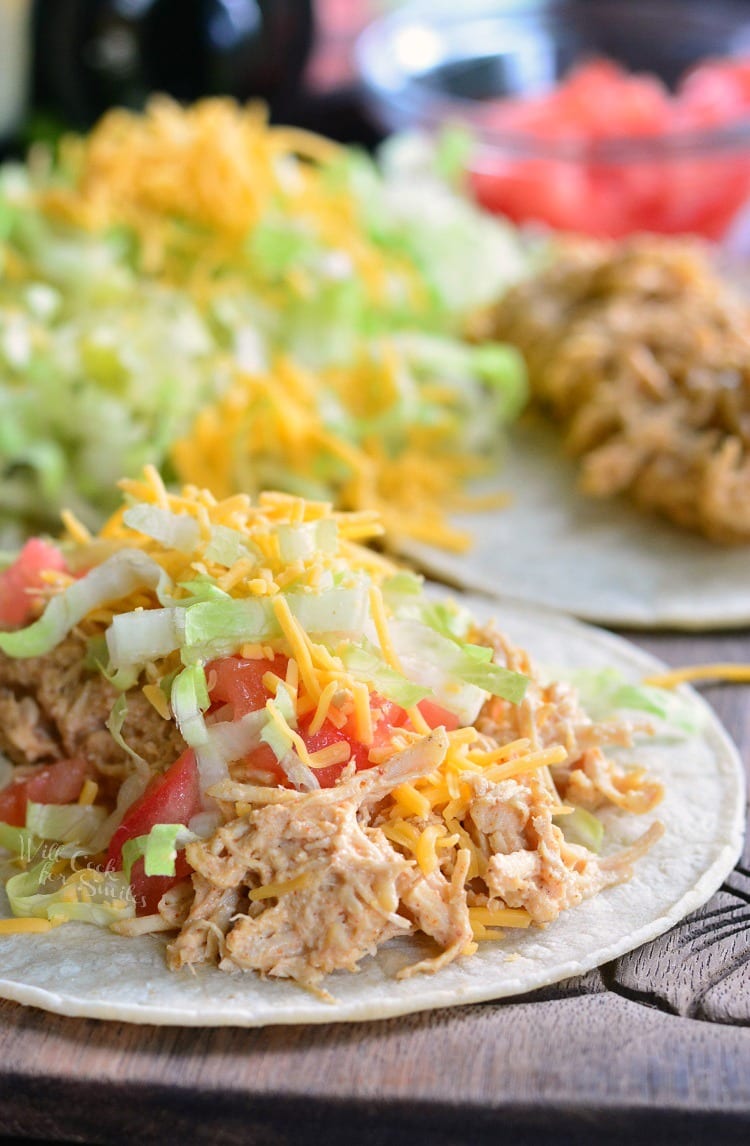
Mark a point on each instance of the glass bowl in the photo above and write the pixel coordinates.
(428, 65)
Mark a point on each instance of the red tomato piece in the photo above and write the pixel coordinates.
(172, 798)
(58, 783)
(328, 735)
(238, 682)
(148, 889)
(25, 574)
(585, 194)
(437, 716)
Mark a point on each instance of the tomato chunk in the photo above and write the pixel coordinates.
(173, 798)
(437, 716)
(25, 574)
(58, 783)
(238, 682)
(576, 188)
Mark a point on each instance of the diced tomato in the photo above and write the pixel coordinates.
(58, 783)
(25, 574)
(148, 889)
(437, 716)
(238, 682)
(699, 192)
(173, 798)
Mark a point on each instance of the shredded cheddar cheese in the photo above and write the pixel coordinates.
(275, 890)
(737, 673)
(89, 792)
(24, 926)
(243, 546)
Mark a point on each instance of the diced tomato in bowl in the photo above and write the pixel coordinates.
(609, 153)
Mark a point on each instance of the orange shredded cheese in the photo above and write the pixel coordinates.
(500, 916)
(156, 698)
(24, 926)
(332, 754)
(275, 890)
(733, 673)
(298, 640)
(362, 713)
(323, 708)
(89, 792)
(530, 763)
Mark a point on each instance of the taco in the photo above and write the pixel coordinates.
(635, 475)
(261, 775)
(604, 562)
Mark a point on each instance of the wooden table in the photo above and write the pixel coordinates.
(655, 1047)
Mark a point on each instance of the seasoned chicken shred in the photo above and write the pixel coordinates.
(642, 353)
(302, 884)
(339, 883)
(428, 840)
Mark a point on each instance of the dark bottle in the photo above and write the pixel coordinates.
(92, 54)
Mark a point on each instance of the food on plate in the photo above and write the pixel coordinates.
(609, 153)
(167, 259)
(232, 724)
(642, 354)
(400, 430)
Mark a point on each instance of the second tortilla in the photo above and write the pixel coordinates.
(601, 561)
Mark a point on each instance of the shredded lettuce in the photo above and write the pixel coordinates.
(364, 661)
(582, 827)
(605, 692)
(402, 588)
(213, 627)
(158, 849)
(177, 531)
(135, 638)
(88, 895)
(201, 589)
(66, 823)
(469, 663)
(18, 841)
(233, 739)
(190, 700)
(87, 342)
(115, 721)
(227, 546)
(404, 595)
(297, 542)
(216, 627)
(277, 739)
(286, 706)
(114, 579)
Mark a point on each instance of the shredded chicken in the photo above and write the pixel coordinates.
(301, 884)
(54, 707)
(643, 354)
(552, 714)
(332, 882)
(532, 865)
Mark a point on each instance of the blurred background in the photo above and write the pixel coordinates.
(64, 62)
(655, 135)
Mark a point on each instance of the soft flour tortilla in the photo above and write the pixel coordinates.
(602, 561)
(81, 970)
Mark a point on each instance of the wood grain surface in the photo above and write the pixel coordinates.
(652, 1048)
